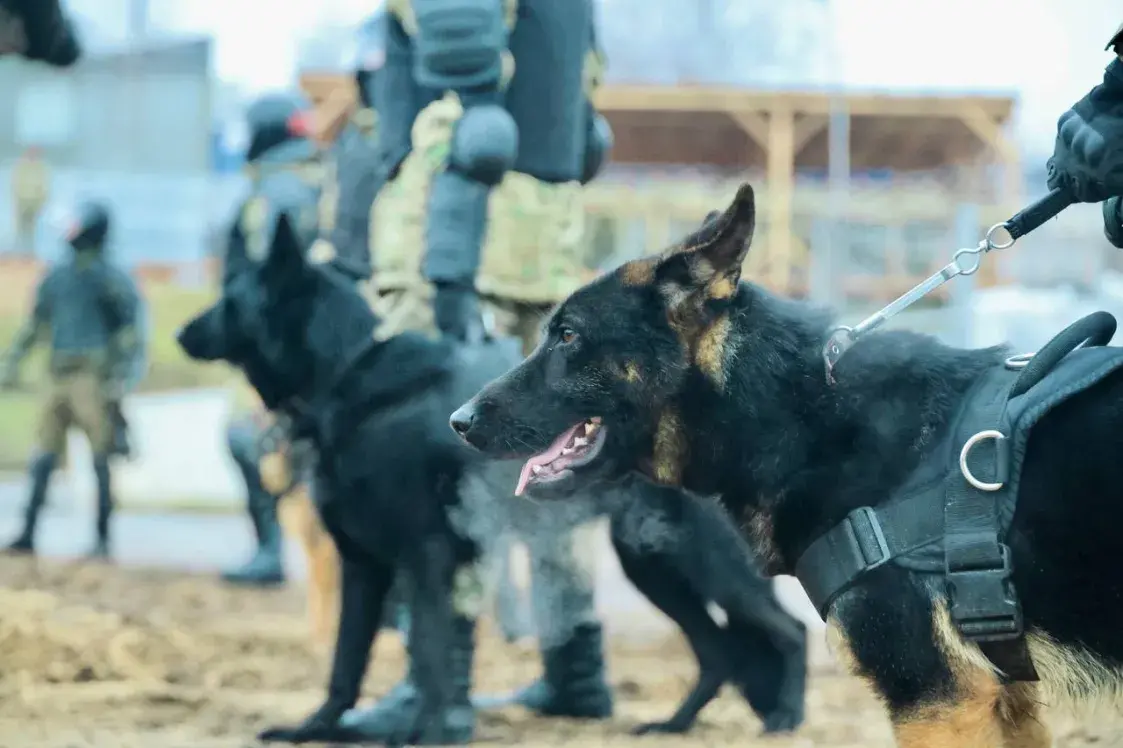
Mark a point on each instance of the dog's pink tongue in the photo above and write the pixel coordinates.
(542, 459)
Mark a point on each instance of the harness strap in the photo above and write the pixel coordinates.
(981, 598)
(865, 540)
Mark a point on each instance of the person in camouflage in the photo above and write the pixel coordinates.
(91, 313)
(282, 164)
(31, 186)
(464, 120)
(38, 30)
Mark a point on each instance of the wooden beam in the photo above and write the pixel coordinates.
(807, 127)
(644, 98)
(781, 187)
(753, 124)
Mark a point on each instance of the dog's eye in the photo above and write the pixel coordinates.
(567, 335)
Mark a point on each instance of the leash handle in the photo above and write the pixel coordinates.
(1032, 216)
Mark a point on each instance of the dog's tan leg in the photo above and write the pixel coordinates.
(970, 721)
(1019, 708)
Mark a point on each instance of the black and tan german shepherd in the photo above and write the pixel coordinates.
(389, 475)
(672, 368)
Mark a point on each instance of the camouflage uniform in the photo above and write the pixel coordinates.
(30, 189)
(92, 313)
(485, 197)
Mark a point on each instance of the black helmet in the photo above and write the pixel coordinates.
(90, 227)
(279, 129)
(370, 55)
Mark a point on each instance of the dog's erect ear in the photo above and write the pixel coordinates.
(285, 260)
(709, 260)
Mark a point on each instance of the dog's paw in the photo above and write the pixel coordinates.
(322, 726)
(670, 727)
(782, 720)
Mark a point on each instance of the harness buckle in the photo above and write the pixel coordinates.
(863, 529)
(982, 602)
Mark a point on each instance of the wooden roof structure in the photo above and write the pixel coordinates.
(779, 132)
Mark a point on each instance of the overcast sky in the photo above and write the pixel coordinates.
(1049, 52)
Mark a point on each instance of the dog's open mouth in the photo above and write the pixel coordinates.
(577, 446)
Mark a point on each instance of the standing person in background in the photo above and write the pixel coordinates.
(31, 186)
(90, 311)
(281, 159)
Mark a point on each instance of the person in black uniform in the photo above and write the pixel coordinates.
(279, 162)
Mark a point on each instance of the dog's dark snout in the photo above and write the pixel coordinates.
(461, 420)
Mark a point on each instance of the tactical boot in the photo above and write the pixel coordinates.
(266, 568)
(100, 549)
(40, 474)
(573, 684)
(398, 711)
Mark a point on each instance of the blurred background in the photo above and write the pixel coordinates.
(880, 135)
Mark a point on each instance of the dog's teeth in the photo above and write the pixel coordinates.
(536, 469)
(579, 442)
(568, 451)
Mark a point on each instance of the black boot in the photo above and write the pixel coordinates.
(100, 550)
(266, 568)
(573, 684)
(40, 474)
(398, 710)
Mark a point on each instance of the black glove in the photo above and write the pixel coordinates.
(322, 726)
(456, 311)
(1113, 221)
(1088, 155)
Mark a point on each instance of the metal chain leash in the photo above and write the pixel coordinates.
(965, 261)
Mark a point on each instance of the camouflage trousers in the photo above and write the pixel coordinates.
(76, 399)
(563, 554)
(26, 217)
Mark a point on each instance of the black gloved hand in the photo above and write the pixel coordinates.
(322, 726)
(456, 311)
(1113, 220)
(1087, 158)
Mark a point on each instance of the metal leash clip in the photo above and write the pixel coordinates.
(842, 338)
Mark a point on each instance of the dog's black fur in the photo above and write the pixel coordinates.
(389, 470)
(683, 554)
(718, 386)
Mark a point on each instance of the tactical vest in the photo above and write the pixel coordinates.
(951, 517)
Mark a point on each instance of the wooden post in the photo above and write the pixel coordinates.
(781, 188)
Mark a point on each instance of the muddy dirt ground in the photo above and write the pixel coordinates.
(109, 658)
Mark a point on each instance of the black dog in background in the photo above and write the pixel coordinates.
(387, 468)
(390, 471)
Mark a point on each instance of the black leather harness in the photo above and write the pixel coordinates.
(952, 515)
